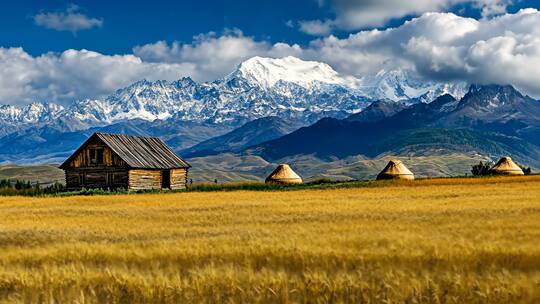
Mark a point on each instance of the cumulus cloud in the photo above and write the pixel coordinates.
(74, 75)
(79, 74)
(357, 14)
(213, 55)
(435, 46)
(443, 46)
(71, 20)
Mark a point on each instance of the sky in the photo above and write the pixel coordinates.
(58, 51)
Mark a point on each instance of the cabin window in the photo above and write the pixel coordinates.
(96, 156)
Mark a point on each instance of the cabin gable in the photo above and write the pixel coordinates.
(96, 154)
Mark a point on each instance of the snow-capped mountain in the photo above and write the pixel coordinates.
(217, 102)
(403, 85)
(32, 113)
(266, 72)
(259, 87)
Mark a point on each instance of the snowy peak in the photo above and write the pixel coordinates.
(266, 72)
(285, 87)
(402, 85)
(32, 113)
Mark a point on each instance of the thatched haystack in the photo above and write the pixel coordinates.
(283, 174)
(395, 170)
(506, 166)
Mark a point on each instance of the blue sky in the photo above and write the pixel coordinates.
(61, 51)
(130, 23)
(139, 22)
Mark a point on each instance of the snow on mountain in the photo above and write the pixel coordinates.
(287, 87)
(266, 72)
(32, 113)
(259, 87)
(143, 100)
(403, 85)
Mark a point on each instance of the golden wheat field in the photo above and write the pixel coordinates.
(430, 241)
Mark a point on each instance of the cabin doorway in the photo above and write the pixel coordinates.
(166, 179)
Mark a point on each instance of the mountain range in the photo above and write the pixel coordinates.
(488, 120)
(282, 109)
(259, 87)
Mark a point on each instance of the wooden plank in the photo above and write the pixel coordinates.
(83, 158)
(134, 151)
(142, 179)
(178, 178)
(93, 178)
(143, 152)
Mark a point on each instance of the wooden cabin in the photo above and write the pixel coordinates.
(111, 161)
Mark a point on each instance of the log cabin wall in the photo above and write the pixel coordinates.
(179, 178)
(140, 179)
(108, 171)
(89, 178)
(73, 180)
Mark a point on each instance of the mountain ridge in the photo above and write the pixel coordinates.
(244, 114)
(287, 87)
(437, 127)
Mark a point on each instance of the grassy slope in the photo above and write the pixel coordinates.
(45, 174)
(452, 240)
(229, 167)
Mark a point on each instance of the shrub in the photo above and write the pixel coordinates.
(5, 183)
(481, 169)
(526, 170)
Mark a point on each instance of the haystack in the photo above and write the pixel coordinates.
(395, 170)
(283, 174)
(506, 166)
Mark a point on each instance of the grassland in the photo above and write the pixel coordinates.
(44, 174)
(429, 241)
(228, 167)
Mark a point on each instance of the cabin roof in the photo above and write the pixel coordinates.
(137, 151)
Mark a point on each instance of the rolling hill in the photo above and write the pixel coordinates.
(251, 133)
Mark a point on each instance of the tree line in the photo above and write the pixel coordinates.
(484, 169)
(24, 187)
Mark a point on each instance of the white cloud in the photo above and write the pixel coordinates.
(358, 14)
(70, 20)
(74, 74)
(501, 50)
(438, 46)
(214, 56)
(493, 7)
(316, 27)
